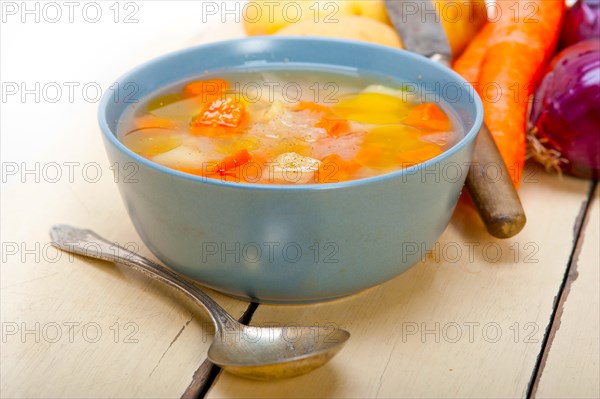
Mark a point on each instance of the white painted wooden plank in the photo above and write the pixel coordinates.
(75, 328)
(572, 368)
(71, 327)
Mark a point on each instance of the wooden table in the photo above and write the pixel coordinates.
(478, 318)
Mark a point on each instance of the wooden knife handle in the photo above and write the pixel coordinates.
(494, 194)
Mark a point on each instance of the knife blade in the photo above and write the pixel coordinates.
(498, 204)
(419, 26)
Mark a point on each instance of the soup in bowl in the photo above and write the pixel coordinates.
(289, 126)
(291, 169)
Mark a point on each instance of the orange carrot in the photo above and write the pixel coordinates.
(233, 161)
(313, 107)
(334, 126)
(469, 63)
(504, 62)
(428, 117)
(418, 155)
(221, 112)
(334, 169)
(208, 88)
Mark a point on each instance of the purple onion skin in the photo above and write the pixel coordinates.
(566, 108)
(582, 22)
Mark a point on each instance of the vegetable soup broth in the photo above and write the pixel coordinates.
(288, 126)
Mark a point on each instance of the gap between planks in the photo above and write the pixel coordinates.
(207, 373)
(563, 292)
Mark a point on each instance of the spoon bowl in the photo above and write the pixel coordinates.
(264, 353)
(260, 353)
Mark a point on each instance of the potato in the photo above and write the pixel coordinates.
(347, 27)
(265, 17)
(374, 9)
(462, 19)
(182, 157)
(291, 167)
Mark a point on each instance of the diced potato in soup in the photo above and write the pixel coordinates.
(288, 126)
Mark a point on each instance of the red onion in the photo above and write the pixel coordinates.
(581, 22)
(565, 113)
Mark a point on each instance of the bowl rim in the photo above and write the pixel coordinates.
(465, 140)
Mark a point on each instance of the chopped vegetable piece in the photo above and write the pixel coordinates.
(275, 110)
(314, 107)
(226, 112)
(334, 126)
(233, 161)
(334, 168)
(180, 110)
(182, 156)
(206, 88)
(429, 118)
(231, 144)
(383, 147)
(416, 156)
(375, 108)
(291, 167)
(151, 141)
(292, 160)
(149, 121)
(374, 157)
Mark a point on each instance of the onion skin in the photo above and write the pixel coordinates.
(565, 113)
(582, 22)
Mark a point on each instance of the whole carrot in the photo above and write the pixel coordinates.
(469, 63)
(504, 62)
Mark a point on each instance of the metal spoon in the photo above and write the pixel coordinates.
(253, 352)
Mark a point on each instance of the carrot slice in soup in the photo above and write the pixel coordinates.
(333, 126)
(233, 161)
(428, 117)
(226, 112)
(206, 88)
(334, 168)
(313, 107)
(373, 157)
(152, 141)
(419, 155)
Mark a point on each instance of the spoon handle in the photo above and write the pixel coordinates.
(87, 243)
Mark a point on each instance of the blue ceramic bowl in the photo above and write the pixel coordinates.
(292, 244)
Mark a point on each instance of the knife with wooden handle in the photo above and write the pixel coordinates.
(497, 201)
